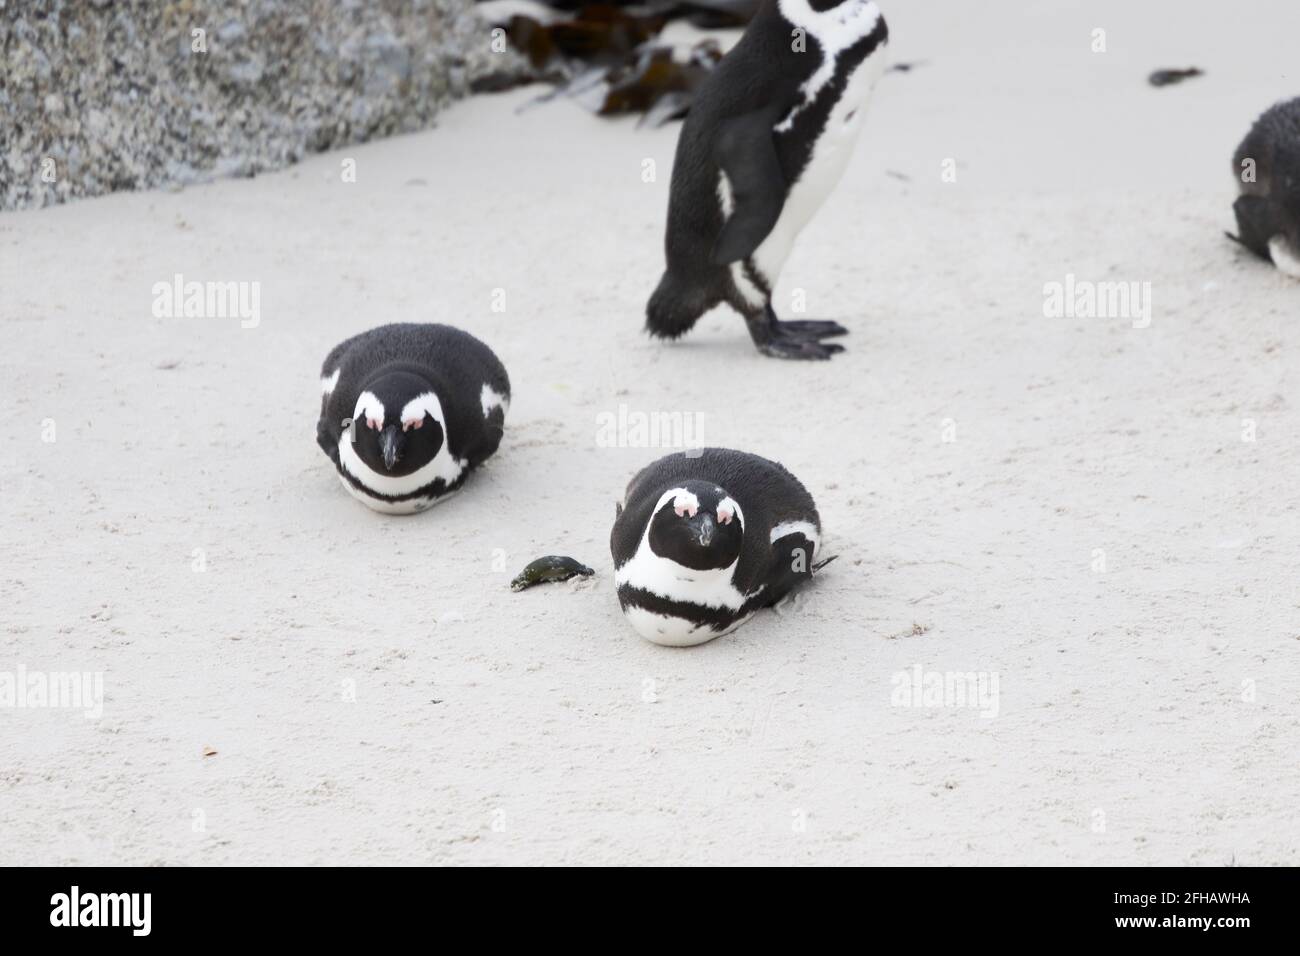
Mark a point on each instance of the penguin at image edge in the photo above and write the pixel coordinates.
(703, 540)
(766, 140)
(1267, 166)
(408, 410)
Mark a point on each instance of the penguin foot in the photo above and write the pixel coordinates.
(794, 339)
(804, 347)
(813, 327)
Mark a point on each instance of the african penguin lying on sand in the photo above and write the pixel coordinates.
(701, 543)
(765, 142)
(407, 410)
(1268, 209)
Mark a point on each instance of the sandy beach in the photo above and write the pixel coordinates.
(1097, 516)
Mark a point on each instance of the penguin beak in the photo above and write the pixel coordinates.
(390, 443)
(704, 528)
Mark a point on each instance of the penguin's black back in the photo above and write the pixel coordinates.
(767, 493)
(1274, 144)
(759, 79)
(1270, 205)
(454, 362)
(760, 73)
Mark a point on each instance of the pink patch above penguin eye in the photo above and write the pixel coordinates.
(374, 423)
(412, 423)
(725, 514)
(684, 508)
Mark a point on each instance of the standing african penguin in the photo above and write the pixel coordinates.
(407, 410)
(701, 543)
(765, 142)
(1268, 209)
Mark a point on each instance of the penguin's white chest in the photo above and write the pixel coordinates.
(404, 506)
(826, 163)
(673, 631)
(691, 590)
(396, 495)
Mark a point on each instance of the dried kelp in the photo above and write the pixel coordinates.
(608, 59)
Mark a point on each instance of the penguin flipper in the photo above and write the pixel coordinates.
(746, 153)
(791, 565)
(328, 442)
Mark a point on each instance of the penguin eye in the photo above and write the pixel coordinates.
(725, 515)
(683, 507)
(373, 423)
(412, 423)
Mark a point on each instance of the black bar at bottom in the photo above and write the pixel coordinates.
(333, 906)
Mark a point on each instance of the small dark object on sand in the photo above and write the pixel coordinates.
(1170, 77)
(553, 567)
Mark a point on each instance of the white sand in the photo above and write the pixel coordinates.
(491, 727)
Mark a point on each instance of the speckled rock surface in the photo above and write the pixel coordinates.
(105, 95)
